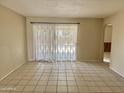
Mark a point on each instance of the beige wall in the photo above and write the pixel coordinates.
(117, 55)
(12, 41)
(108, 33)
(89, 36)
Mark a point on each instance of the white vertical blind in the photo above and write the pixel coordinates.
(54, 42)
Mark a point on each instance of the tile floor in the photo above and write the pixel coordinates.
(67, 77)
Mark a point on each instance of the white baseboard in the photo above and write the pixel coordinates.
(11, 71)
(106, 62)
(116, 71)
(89, 61)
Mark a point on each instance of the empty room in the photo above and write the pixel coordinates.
(61, 46)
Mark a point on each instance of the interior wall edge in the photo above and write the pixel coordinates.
(12, 41)
(12, 11)
(116, 71)
(117, 21)
(16, 68)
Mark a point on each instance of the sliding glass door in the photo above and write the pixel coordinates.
(54, 42)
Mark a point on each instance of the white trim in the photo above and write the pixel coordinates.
(11, 72)
(106, 62)
(116, 71)
(89, 61)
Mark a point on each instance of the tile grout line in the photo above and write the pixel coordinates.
(57, 79)
(18, 82)
(37, 81)
(75, 79)
(66, 78)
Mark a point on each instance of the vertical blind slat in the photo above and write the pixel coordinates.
(55, 42)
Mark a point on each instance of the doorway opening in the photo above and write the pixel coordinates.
(107, 43)
(55, 42)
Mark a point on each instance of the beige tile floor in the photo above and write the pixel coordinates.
(66, 77)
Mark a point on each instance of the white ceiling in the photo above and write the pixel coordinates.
(65, 8)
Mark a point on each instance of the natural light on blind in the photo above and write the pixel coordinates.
(54, 42)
